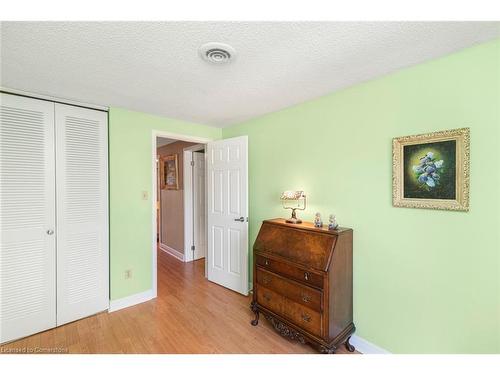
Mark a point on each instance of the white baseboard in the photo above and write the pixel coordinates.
(366, 347)
(132, 300)
(171, 251)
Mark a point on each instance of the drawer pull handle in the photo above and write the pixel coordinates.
(266, 279)
(306, 318)
(305, 297)
(307, 275)
(267, 297)
(266, 262)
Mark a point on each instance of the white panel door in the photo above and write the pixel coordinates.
(82, 212)
(200, 225)
(227, 217)
(27, 217)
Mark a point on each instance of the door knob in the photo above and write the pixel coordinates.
(50, 232)
(242, 219)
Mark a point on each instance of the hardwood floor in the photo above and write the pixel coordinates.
(190, 315)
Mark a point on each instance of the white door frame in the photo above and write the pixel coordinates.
(179, 137)
(188, 199)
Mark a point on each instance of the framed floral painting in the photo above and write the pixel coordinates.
(169, 172)
(432, 170)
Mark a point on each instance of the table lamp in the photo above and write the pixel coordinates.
(293, 200)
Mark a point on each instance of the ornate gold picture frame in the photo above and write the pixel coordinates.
(432, 170)
(169, 172)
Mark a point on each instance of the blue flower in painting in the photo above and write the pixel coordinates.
(422, 178)
(427, 171)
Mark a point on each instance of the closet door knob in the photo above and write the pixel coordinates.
(50, 232)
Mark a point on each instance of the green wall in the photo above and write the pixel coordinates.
(130, 153)
(424, 281)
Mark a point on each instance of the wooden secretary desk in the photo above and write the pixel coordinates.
(303, 283)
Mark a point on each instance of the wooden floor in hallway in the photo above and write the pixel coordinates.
(190, 315)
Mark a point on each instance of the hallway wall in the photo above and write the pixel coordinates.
(172, 201)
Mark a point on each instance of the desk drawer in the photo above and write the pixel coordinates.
(302, 294)
(269, 299)
(304, 317)
(294, 272)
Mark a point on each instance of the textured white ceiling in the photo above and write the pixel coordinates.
(154, 66)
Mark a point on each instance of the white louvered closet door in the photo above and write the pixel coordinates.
(82, 212)
(27, 217)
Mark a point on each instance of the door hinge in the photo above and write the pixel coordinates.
(192, 163)
(193, 248)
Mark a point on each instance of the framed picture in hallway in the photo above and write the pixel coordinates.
(432, 170)
(169, 172)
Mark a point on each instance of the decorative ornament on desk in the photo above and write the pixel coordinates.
(317, 221)
(332, 222)
(294, 200)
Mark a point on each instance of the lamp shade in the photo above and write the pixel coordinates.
(292, 195)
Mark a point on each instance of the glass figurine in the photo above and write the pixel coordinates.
(332, 223)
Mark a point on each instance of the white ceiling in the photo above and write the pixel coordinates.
(164, 141)
(154, 66)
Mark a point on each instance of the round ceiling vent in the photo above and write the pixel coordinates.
(217, 53)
